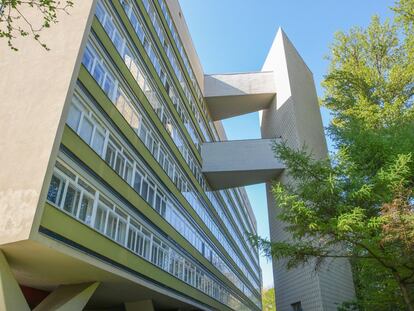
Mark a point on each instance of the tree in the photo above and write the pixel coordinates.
(268, 299)
(364, 207)
(14, 21)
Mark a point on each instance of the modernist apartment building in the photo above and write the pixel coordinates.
(118, 187)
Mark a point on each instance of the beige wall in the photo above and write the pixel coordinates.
(34, 87)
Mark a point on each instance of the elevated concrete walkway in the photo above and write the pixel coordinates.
(230, 95)
(237, 163)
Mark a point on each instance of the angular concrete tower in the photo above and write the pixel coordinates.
(295, 117)
(284, 94)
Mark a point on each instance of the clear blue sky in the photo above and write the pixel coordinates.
(235, 36)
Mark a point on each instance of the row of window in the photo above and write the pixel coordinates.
(125, 52)
(96, 66)
(145, 82)
(176, 67)
(78, 198)
(183, 55)
(86, 124)
(138, 71)
(170, 52)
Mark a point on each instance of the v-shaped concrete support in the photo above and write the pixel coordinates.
(11, 296)
(68, 298)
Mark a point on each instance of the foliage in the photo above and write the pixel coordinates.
(19, 18)
(268, 299)
(364, 207)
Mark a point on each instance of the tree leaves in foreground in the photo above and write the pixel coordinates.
(20, 18)
(359, 204)
(268, 299)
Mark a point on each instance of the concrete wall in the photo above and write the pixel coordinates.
(294, 116)
(240, 162)
(34, 87)
(239, 84)
(230, 95)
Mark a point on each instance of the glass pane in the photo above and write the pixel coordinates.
(128, 58)
(98, 73)
(110, 155)
(128, 173)
(74, 117)
(111, 226)
(119, 164)
(109, 86)
(127, 113)
(98, 142)
(117, 40)
(109, 27)
(86, 206)
(131, 239)
(54, 189)
(71, 200)
(100, 218)
(100, 12)
(137, 182)
(86, 130)
(135, 71)
(143, 132)
(144, 190)
(121, 232)
(151, 195)
(135, 121)
(88, 59)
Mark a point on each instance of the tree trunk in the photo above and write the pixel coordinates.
(405, 294)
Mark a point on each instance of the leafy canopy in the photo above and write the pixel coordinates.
(22, 18)
(359, 204)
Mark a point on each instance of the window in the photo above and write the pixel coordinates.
(151, 192)
(100, 12)
(74, 117)
(71, 200)
(98, 73)
(86, 130)
(138, 181)
(88, 59)
(100, 218)
(55, 192)
(98, 140)
(110, 154)
(160, 204)
(297, 306)
(85, 210)
(108, 85)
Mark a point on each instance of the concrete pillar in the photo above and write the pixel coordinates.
(68, 298)
(11, 296)
(144, 305)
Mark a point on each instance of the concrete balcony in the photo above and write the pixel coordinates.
(230, 95)
(239, 163)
